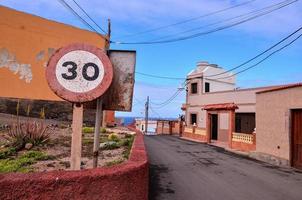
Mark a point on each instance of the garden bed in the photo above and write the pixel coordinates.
(54, 154)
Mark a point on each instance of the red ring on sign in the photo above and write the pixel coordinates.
(75, 96)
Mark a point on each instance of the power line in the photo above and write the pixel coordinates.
(173, 95)
(79, 6)
(168, 102)
(244, 63)
(170, 99)
(271, 54)
(224, 20)
(157, 76)
(155, 112)
(210, 31)
(189, 20)
(257, 56)
(66, 5)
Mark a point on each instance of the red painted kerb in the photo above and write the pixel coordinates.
(125, 181)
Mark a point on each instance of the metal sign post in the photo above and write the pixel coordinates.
(98, 124)
(76, 140)
(79, 73)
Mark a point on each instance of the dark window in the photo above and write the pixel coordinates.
(207, 87)
(245, 122)
(194, 88)
(193, 118)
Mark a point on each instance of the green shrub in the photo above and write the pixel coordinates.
(88, 129)
(128, 135)
(129, 143)
(109, 145)
(103, 130)
(113, 137)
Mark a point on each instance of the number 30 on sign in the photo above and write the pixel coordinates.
(79, 73)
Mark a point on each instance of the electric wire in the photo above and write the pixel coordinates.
(239, 66)
(257, 56)
(83, 10)
(155, 112)
(66, 5)
(262, 60)
(243, 16)
(160, 77)
(189, 20)
(209, 31)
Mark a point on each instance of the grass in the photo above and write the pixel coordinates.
(128, 144)
(5, 153)
(87, 129)
(114, 162)
(23, 162)
(89, 140)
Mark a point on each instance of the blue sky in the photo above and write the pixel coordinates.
(226, 48)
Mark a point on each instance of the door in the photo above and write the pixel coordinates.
(297, 138)
(214, 126)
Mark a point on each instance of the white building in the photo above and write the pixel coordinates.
(140, 124)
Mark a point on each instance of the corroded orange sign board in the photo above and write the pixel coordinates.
(26, 44)
(79, 72)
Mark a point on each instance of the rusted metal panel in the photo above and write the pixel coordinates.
(119, 96)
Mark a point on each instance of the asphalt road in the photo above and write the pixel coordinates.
(184, 170)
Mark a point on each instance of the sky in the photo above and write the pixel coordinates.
(227, 48)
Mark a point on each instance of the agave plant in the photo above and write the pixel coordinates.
(32, 132)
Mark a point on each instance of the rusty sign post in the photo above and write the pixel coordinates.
(79, 73)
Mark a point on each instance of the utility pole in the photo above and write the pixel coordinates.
(146, 115)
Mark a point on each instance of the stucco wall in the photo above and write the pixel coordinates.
(29, 41)
(245, 99)
(273, 120)
(120, 182)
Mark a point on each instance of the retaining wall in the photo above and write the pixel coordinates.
(125, 181)
(199, 137)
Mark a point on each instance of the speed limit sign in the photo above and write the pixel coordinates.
(79, 72)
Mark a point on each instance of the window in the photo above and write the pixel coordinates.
(193, 119)
(193, 88)
(207, 87)
(245, 122)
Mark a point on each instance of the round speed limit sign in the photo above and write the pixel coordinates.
(79, 72)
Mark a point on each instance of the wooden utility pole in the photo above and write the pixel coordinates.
(146, 115)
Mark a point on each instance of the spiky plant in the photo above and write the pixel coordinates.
(32, 132)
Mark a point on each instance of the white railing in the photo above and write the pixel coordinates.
(243, 137)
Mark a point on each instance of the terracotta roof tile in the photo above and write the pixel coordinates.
(221, 106)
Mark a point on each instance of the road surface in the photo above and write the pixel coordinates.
(184, 170)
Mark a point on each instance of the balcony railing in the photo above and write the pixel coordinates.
(243, 137)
